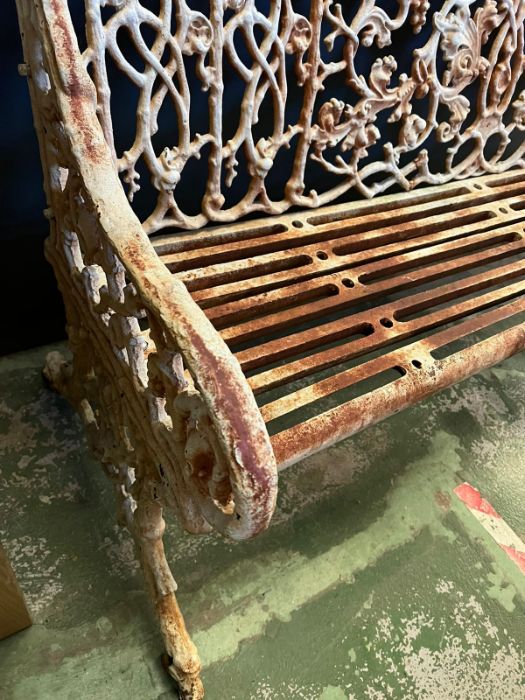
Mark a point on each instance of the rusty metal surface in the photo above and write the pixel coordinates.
(199, 362)
(331, 88)
(110, 271)
(327, 301)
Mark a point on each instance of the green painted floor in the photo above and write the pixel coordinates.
(374, 581)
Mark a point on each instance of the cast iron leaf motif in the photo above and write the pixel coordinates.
(463, 79)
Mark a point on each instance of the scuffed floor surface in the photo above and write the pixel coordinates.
(374, 582)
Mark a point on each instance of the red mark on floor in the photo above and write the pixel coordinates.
(472, 499)
(493, 523)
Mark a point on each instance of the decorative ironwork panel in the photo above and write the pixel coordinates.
(142, 402)
(326, 97)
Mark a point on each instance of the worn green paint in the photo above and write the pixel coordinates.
(291, 579)
(331, 692)
(373, 582)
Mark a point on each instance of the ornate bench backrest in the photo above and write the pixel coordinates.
(295, 103)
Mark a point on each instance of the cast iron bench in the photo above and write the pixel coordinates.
(212, 356)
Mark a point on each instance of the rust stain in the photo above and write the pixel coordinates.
(78, 87)
(443, 500)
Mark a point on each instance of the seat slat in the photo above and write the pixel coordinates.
(436, 267)
(349, 253)
(408, 207)
(400, 359)
(362, 245)
(269, 301)
(381, 337)
(341, 314)
(229, 297)
(273, 350)
(328, 427)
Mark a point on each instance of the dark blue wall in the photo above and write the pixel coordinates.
(32, 311)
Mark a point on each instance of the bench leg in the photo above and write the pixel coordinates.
(143, 518)
(184, 663)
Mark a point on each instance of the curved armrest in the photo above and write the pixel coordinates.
(218, 431)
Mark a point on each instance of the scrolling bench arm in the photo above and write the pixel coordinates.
(163, 378)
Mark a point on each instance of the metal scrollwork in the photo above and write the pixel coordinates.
(474, 53)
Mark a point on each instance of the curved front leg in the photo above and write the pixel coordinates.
(184, 663)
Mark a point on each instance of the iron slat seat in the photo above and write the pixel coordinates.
(362, 305)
